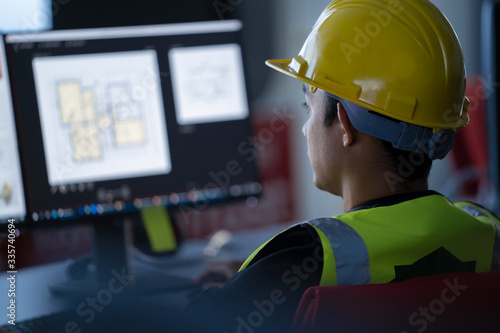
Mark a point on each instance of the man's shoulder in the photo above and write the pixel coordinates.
(477, 210)
(300, 234)
(299, 238)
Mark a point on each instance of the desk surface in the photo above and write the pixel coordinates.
(33, 298)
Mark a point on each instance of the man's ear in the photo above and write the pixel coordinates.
(348, 131)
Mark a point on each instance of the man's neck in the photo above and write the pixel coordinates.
(355, 192)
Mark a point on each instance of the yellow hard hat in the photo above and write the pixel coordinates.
(399, 58)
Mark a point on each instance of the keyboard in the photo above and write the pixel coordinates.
(135, 313)
(122, 320)
(52, 323)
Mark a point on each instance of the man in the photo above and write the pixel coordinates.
(384, 82)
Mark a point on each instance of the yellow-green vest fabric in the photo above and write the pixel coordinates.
(384, 244)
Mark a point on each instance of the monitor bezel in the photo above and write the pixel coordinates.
(177, 29)
(490, 44)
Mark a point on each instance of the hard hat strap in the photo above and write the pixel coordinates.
(402, 135)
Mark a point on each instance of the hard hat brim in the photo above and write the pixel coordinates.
(283, 66)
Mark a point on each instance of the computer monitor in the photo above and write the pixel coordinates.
(117, 120)
(490, 32)
(12, 203)
(26, 15)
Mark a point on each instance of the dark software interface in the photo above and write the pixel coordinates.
(113, 120)
(12, 204)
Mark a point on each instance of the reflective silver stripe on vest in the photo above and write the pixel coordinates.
(475, 212)
(349, 249)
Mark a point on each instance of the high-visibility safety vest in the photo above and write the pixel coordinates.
(424, 236)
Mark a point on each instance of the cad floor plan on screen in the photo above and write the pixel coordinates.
(102, 116)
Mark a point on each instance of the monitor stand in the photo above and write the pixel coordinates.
(113, 272)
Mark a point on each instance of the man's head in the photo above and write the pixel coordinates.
(337, 150)
(397, 71)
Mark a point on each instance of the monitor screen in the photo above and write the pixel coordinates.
(12, 203)
(26, 15)
(117, 119)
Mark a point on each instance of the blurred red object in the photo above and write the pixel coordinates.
(470, 153)
(270, 146)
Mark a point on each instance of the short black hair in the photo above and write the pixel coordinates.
(331, 110)
(407, 164)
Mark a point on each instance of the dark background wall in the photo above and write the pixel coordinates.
(255, 15)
